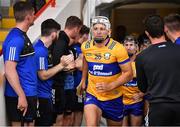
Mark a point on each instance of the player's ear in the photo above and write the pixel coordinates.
(109, 32)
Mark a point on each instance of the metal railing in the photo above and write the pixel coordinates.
(50, 2)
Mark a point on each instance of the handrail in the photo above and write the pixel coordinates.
(50, 2)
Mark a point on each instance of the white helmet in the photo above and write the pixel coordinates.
(102, 20)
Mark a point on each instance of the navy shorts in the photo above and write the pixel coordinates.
(134, 109)
(111, 109)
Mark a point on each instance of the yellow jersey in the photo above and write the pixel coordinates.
(130, 89)
(103, 66)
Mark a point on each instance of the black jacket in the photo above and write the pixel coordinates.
(58, 49)
(158, 72)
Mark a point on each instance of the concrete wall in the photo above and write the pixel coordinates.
(62, 10)
(2, 101)
(74, 7)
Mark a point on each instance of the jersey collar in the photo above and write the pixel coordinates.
(107, 42)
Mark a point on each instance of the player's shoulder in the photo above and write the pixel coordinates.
(86, 45)
(114, 45)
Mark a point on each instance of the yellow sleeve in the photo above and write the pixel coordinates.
(83, 47)
(134, 69)
(121, 54)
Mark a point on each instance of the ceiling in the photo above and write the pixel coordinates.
(137, 3)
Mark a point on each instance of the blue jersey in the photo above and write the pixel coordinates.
(18, 48)
(41, 55)
(77, 73)
(178, 41)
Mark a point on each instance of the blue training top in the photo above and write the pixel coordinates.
(77, 73)
(18, 48)
(41, 55)
(178, 41)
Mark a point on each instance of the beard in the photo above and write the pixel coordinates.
(100, 39)
(130, 54)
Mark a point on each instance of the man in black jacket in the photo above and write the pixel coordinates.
(64, 82)
(158, 71)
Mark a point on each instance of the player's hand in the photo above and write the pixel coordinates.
(138, 96)
(70, 66)
(103, 87)
(66, 59)
(81, 88)
(22, 104)
(79, 62)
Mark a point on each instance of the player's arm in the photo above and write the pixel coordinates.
(125, 65)
(125, 77)
(84, 71)
(81, 87)
(79, 62)
(126, 71)
(46, 74)
(11, 57)
(13, 78)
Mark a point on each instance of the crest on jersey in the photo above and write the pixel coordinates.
(107, 56)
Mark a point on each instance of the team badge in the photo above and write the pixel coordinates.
(107, 56)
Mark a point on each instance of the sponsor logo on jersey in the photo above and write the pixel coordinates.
(98, 56)
(98, 67)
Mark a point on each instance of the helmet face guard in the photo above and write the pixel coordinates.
(101, 20)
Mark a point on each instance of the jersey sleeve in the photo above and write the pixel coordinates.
(83, 48)
(41, 60)
(121, 54)
(13, 49)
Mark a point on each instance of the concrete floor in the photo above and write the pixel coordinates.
(102, 122)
